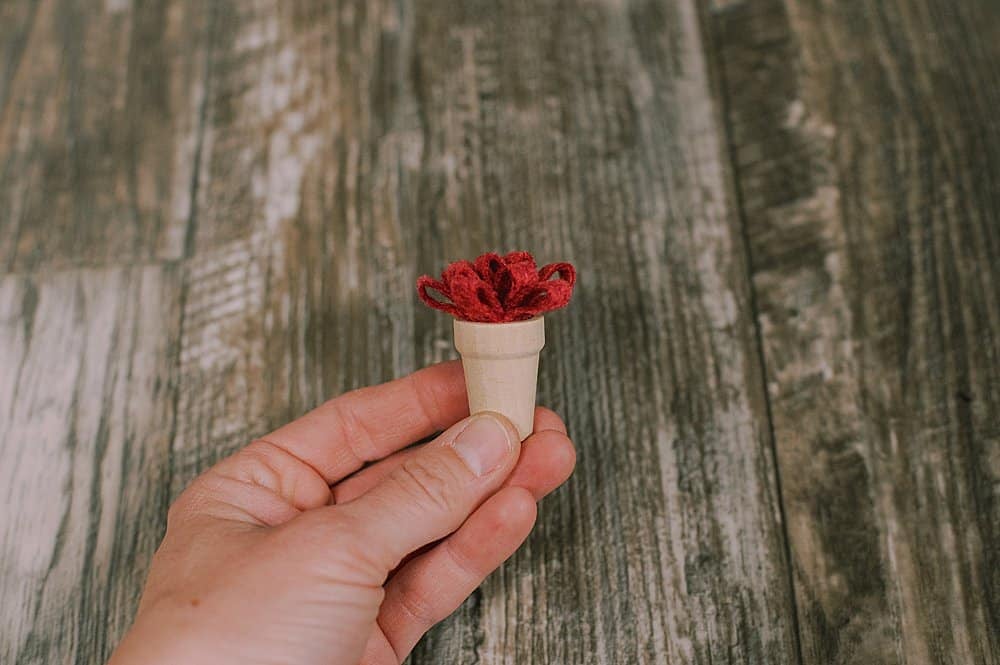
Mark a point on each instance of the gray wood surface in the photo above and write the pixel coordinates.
(866, 148)
(781, 366)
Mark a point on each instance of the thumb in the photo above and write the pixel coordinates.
(432, 493)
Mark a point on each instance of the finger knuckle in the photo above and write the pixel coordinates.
(429, 483)
(184, 505)
(353, 430)
(464, 565)
(175, 513)
(418, 605)
(257, 465)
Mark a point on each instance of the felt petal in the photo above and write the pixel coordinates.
(475, 298)
(521, 279)
(566, 272)
(488, 266)
(518, 257)
(546, 297)
(426, 282)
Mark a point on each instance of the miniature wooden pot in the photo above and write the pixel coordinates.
(500, 361)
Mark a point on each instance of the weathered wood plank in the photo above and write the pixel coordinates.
(865, 138)
(302, 281)
(99, 115)
(588, 132)
(86, 410)
(349, 147)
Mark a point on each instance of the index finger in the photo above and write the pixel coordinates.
(367, 424)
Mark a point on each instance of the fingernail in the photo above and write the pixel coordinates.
(483, 445)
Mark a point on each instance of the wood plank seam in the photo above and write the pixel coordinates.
(717, 70)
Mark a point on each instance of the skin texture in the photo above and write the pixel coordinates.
(330, 541)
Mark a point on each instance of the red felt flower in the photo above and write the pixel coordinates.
(498, 289)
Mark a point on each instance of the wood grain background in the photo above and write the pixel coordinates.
(781, 366)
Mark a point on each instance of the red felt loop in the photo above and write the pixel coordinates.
(522, 277)
(424, 283)
(475, 298)
(495, 289)
(546, 296)
(488, 266)
(566, 272)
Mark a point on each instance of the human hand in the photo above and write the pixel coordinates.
(289, 552)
